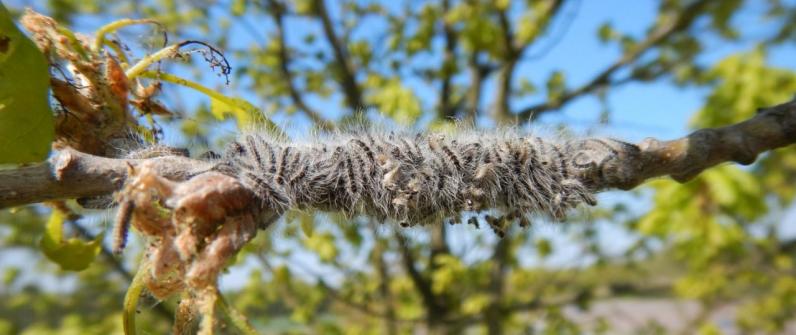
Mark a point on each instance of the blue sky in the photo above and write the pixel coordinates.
(657, 109)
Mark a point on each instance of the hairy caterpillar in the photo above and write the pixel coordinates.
(415, 177)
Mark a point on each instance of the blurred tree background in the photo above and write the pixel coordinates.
(715, 255)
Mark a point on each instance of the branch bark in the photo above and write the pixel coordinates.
(685, 158)
(501, 112)
(71, 174)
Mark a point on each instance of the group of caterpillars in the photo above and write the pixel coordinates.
(414, 178)
(197, 224)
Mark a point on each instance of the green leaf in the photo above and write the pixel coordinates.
(722, 188)
(324, 245)
(606, 32)
(239, 7)
(721, 16)
(556, 85)
(744, 83)
(449, 270)
(242, 110)
(307, 221)
(73, 254)
(395, 100)
(526, 87)
(352, 234)
(543, 247)
(475, 304)
(363, 51)
(26, 121)
(10, 275)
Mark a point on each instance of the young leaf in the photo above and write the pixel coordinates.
(307, 224)
(242, 110)
(323, 244)
(26, 121)
(73, 254)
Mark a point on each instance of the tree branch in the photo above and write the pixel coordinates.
(378, 256)
(514, 49)
(478, 73)
(348, 79)
(72, 174)
(434, 311)
(501, 112)
(495, 315)
(446, 110)
(685, 158)
(226, 201)
(277, 11)
(658, 35)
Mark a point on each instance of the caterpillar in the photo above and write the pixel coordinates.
(412, 178)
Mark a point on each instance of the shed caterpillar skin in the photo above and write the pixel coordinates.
(413, 177)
